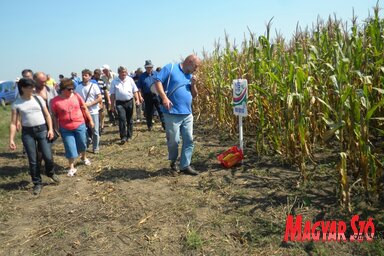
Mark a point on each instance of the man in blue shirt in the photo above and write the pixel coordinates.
(139, 107)
(76, 80)
(151, 100)
(175, 87)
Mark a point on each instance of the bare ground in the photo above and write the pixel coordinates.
(128, 203)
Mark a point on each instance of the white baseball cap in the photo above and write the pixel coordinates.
(105, 66)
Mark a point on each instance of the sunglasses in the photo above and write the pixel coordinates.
(69, 89)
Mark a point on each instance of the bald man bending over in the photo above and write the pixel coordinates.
(176, 88)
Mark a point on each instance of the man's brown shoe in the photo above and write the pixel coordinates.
(55, 178)
(174, 166)
(189, 170)
(37, 189)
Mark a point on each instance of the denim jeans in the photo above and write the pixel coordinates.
(176, 125)
(151, 102)
(36, 138)
(75, 141)
(125, 112)
(95, 132)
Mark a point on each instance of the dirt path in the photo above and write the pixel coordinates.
(128, 203)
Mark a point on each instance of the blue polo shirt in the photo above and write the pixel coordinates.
(76, 81)
(145, 81)
(178, 90)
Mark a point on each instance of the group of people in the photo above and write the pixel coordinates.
(76, 112)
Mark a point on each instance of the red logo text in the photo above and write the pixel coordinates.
(330, 230)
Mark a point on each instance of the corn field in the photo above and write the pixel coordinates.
(323, 88)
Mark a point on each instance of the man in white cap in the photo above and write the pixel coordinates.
(108, 76)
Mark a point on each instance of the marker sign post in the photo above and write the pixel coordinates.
(240, 98)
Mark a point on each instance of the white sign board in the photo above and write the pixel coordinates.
(240, 97)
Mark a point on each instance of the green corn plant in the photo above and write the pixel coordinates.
(322, 88)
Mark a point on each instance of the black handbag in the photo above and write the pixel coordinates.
(56, 135)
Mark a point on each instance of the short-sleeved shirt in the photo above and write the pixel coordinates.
(108, 80)
(94, 92)
(51, 93)
(68, 111)
(30, 111)
(76, 81)
(123, 90)
(51, 82)
(178, 90)
(102, 87)
(145, 81)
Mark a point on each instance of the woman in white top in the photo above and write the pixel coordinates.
(36, 131)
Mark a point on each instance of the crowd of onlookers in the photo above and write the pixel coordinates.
(75, 109)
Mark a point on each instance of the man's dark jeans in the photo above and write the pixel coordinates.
(151, 102)
(36, 138)
(111, 114)
(125, 112)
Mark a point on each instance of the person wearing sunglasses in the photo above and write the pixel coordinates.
(69, 112)
(37, 130)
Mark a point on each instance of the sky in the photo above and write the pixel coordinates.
(58, 37)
